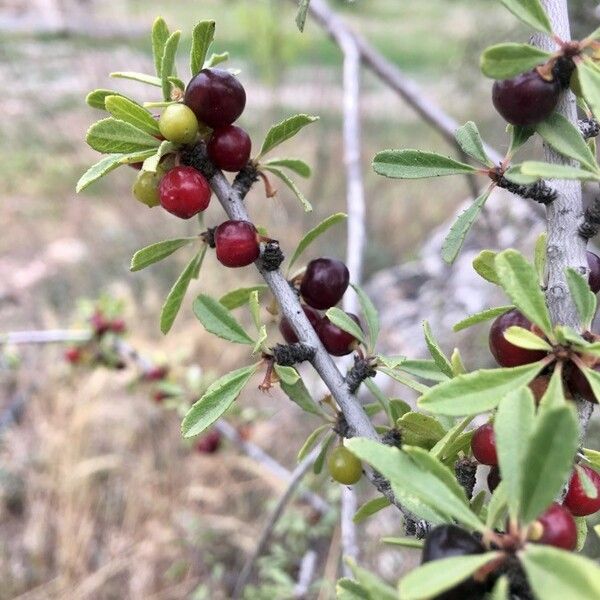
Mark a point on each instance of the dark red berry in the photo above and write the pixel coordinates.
(236, 243)
(578, 384)
(493, 478)
(576, 500)
(483, 445)
(99, 323)
(117, 326)
(156, 373)
(558, 528)
(525, 99)
(209, 443)
(324, 282)
(159, 396)
(184, 192)
(289, 335)
(73, 355)
(229, 148)
(216, 97)
(337, 341)
(594, 276)
(505, 353)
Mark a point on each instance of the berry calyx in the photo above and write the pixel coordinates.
(209, 443)
(344, 466)
(558, 528)
(493, 478)
(324, 282)
(483, 445)
(216, 97)
(236, 243)
(229, 148)
(289, 335)
(337, 341)
(526, 99)
(576, 500)
(593, 261)
(178, 124)
(505, 353)
(184, 192)
(145, 188)
(73, 355)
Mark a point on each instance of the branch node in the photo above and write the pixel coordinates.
(591, 220)
(245, 179)
(272, 256)
(362, 369)
(465, 470)
(562, 70)
(287, 355)
(589, 128)
(208, 237)
(196, 157)
(539, 191)
(393, 437)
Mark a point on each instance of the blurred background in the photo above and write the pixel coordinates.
(100, 497)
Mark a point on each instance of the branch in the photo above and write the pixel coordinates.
(306, 574)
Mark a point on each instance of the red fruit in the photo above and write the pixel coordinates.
(324, 282)
(159, 396)
(117, 326)
(576, 500)
(209, 443)
(229, 148)
(493, 478)
(337, 341)
(289, 335)
(559, 528)
(73, 355)
(99, 323)
(216, 97)
(184, 192)
(483, 445)
(593, 261)
(578, 384)
(236, 243)
(525, 99)
(156, 373)
(505, 353)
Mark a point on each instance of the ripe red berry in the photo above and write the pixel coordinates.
(337, 341)
(578, 384)
(209, 443)
(289, 335)
(216, 97)
(99, 323)
(525, 99)
(159, 396)
(324, 282)
(483, 445)
(184, 192)
(156, 373)
(73, 355)
(236, 243)
(117, 326)
(576, 500)
(558, 528)
(505, 353)
(493, 478)
(229, 148)
(594, 276)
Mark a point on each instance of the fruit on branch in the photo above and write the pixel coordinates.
(145, 188)
(337, 341)
(236, 243)
(99, 323)
(184, 192)
(505, 353)
(578, 384)
(73, 355)
(557, 528)
(493, 478)
(324, 282)
(288, 333)
(577, 500)
(209, 443)
(593, 261)
(216, 97)
(157, 373)
(483, 445)
(229, 148)
(178, 124)
(117, 326)
(525, 99)
(344, 466)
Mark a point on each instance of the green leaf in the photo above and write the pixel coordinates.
(97, 98)
(480, 317)
(168, 63)
(140, 77)
(398, 408)
(254, 306)
(298, 394)
(178, 83)
(519, 281)
(405, 542)
(523, 338)
(287, 374)
(458, 367)
(589, 78)
(293, 164)
(497, 507)
(478, 391)
(504, 61)
(241, 296)
(518, 137)
(587, 485)
(436, 352)
(370, 313)
(152, 162)
(314, 233)
(301, 14)
(549, 460)
(129, 111)
(551, 171)
(311, 441)
(416, 164)
(566, 139)
(160, 35)
(407, 381)
(347, 589)
(440, 450)
(155, 252)
(582, 531)
(460, 228)
(583, 297)
(554, 395)
(202, 37)
(111, 136)
(216, 400)
(292, 186)
(484, 265)
(432, 578)
(339, 318)
(593, 457)
(218, 320)
(285, 130)
(423, 368)
(420, 430)
(470, 141)
(320, 460)
(556, 575)
(102, 167)
(173, 302)
(216, 59)
(539, 260)
(259, 345)
(501, 589)
(370, 582)
(530, 12)
(370, 508)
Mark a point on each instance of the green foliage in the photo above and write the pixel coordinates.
(156, 252)
(531, 12)
(114, 136)
(469, 139)
(339, 318)
(283, 131)
(202, 37)
(504, 61)
(218, 320)
(370, 508)
(291, 184)
(481, 317)
(585, 300)
(416, 164)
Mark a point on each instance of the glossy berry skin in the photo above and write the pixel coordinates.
(526, 99)
(236, 243)
(216, 97)
(209, 443)
(505, 353)
(184, 192)
(559, 528)
(289, 335)
(229, 148)
(337, 341)
(483, 445)
(493, 479)
(344, 466)
(99, 324)
(73, 355)
(593, 261)
(576, 499)
(578, 384)
(178, 124)
(324, 282)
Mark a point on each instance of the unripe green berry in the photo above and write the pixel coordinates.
(145, 188)
(178, 124)
(344, 466)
